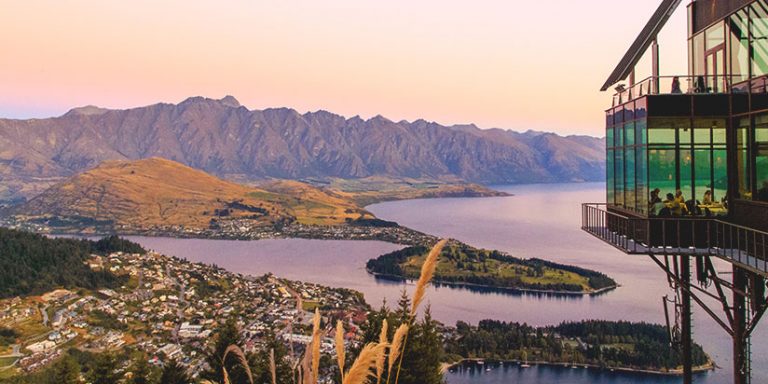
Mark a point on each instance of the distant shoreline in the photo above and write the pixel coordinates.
(709, 366)
(497, 288)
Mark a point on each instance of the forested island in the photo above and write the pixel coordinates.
(463, 265)
(619, 345)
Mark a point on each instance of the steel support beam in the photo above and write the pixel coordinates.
(687, 339)
(740, 357)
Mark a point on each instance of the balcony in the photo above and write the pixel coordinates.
(675, 236)
(686, 85)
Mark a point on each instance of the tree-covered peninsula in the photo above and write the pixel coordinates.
(461, 264)
(605, 344)
(33, 264)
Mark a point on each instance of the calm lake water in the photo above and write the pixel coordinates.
(539, 221)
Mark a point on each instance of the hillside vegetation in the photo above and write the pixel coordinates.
(461, 264)
(601, 343)
(33, 264)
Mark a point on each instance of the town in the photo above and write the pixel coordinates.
(168, 308)
(237, 229)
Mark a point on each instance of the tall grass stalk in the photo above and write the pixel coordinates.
(383, 340)
(427, 273)
(362, 369)
(341, 353)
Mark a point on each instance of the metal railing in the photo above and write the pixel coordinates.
(693, 236)
(671, 85)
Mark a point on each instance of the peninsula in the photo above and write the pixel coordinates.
(462, 265)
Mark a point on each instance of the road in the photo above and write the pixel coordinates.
(44, 312)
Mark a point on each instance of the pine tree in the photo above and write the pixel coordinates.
(421, 359)
(174, 373)
(104, 370)
(227, 335)
(141, 371)
(260, 365)
(65, 371)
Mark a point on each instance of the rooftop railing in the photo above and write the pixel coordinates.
(682, 85)
(690, 236)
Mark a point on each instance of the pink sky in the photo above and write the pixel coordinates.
(496, 63)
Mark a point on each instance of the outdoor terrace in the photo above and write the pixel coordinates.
(675, 236)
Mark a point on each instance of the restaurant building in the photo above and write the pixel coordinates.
(687, 167)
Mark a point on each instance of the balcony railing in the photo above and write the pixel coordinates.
(691, 236)
(682, 85)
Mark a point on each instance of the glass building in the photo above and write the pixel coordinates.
(704, 135)
(687, 168)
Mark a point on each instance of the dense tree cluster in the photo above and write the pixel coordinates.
(7, 336)
(34, 264)
(423, 349)
(601, 343)
(474, 261)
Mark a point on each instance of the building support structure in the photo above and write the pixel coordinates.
(748, 304)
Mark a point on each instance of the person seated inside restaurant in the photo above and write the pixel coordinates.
(676, 204)
(762, 193)
(707, 200)
(654, 203)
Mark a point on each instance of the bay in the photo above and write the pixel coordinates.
(538, 221)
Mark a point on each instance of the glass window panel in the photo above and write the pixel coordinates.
(715, 36)
(761, 172)
(698, 54)
(702, 136)
(663, 130)
(742, 159)
(619, 167)
(720, 170)
(609, 177)
(641, 108)
(641, 179)
(761, 158)
(684, 134)
(661, 171)
(702, 130)
(686, 173)
(641, 128)
(629, 133)
(618, 136)
(703, 173)
(609, 136)
(718, 134)
(739, 45)
(759, 39)
(629, 178)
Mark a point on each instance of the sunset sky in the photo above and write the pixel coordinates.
(496, 63)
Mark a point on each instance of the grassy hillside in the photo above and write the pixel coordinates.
(160, 192)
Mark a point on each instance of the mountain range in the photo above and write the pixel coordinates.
(226, 139)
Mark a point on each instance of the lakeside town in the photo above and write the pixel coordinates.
(236, 229)
(168, 308)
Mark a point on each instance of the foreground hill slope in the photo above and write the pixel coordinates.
(158, 192)
(225, 139)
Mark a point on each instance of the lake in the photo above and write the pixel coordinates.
(538, 221)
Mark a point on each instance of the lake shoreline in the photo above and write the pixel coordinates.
(710, 366)
(470, 286)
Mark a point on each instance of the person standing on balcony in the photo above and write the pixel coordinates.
(676, 85)
(698, 86)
